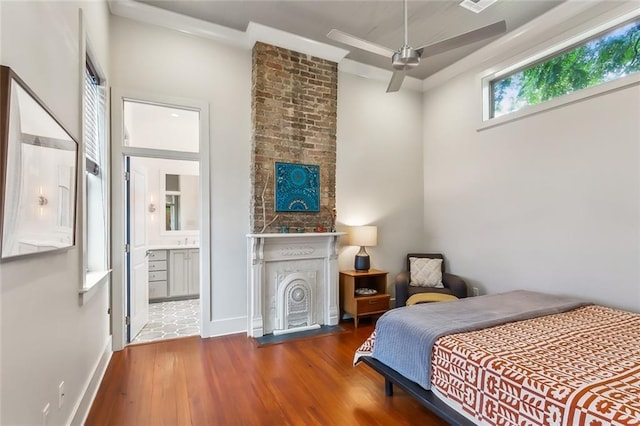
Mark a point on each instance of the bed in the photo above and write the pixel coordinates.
(517, 358)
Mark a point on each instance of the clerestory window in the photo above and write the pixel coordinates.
(601, 59)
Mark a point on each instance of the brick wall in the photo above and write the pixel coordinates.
(293, 107)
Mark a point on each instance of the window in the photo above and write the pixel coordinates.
(96, 177)
(607, 57)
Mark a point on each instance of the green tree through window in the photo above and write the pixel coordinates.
(613, 55)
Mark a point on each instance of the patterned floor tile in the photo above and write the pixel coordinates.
(168, 320)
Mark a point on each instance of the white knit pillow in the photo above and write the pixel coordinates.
(426, 272)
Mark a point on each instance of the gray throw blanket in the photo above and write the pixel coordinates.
(405, 336)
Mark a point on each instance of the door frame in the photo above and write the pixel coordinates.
(118, 225)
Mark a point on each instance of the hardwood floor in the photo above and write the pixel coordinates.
(231, 381)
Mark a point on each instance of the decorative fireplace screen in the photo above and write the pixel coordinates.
(296, 301)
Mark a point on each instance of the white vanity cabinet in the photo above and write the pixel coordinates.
(174, 274)
(184, 272)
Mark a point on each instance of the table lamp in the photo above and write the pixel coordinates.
(363, 236)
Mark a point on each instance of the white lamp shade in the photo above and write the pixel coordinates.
(364, 235)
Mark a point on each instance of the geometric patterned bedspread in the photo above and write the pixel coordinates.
(580, 367)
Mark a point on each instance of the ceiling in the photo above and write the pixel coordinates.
(378, 21)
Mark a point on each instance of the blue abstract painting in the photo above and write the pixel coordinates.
(297, 188)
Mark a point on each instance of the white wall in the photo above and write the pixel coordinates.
(379, 178)
(46, 334)
(154, 60)
(549, 202)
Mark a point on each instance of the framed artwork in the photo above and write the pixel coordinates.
(297, 187)
(38, 173)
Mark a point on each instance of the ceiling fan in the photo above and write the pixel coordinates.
(407, 57)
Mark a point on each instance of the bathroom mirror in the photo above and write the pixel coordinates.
(38, 174)
(181, 195)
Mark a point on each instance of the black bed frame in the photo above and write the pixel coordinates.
(425, 397)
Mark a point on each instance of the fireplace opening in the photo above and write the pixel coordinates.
(295, 303)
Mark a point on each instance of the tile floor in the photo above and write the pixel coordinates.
(168, 320)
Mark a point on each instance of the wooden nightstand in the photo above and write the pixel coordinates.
(357, 305)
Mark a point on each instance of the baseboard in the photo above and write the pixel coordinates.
(83, 406)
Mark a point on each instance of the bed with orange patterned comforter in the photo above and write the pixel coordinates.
(580, 367)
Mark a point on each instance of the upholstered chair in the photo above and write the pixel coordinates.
(405, 288)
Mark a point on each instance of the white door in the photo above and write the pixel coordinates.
(138, 288)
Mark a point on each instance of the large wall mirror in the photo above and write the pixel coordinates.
(38, 174)
(181, 195)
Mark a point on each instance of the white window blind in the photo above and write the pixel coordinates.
(95, 196)
(94, 119)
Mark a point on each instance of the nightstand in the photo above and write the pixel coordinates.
(358, 305)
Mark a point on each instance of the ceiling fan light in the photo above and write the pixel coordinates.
(405, 58)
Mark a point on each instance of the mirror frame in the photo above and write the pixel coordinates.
(7, 77)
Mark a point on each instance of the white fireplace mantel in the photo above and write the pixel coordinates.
(271, 257)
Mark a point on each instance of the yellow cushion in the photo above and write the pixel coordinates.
(429, 297)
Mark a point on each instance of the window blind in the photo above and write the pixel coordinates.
(96, 203)
(94, 101)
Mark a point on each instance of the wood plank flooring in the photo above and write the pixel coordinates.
(231, 381)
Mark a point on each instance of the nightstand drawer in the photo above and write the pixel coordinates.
(159, 265)
(370, 304)
(157, 275)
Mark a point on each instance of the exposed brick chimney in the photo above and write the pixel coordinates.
(293, 108)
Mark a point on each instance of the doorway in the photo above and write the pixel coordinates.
(163, 235)
(161, 217)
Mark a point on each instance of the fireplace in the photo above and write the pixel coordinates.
(293, 282)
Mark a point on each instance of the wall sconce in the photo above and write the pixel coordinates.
(42, 200)
(363, 236)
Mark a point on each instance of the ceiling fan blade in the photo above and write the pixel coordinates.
(359, 43)
(463, 39)
(396, 81)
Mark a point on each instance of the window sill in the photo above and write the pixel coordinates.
(591, 92)
(93, 281)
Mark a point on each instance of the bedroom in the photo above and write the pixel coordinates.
(509, 206)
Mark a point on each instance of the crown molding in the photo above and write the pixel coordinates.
(185, 24)
(243, 39)
(262, 33)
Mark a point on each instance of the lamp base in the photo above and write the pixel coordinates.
(363, 261)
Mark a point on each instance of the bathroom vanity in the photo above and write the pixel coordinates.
(174, 273)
